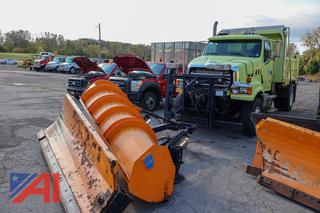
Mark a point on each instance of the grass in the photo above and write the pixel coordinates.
(19, 57)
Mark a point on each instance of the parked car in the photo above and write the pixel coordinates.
(77, 84)
(54, 65)
(70, 66)
(41, 62)
(8, 61)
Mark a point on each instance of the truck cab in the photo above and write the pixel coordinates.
(161, 71)
(249, 70)
(41, 62)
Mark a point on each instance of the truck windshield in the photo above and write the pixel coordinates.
(69, 60)
(156, 68)
(246, 48)
(107, 68)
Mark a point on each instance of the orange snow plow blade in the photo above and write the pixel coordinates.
(287, 158)
(106, 154)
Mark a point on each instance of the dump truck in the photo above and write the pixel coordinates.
(240, 71)
(287, 156)
(107, 153)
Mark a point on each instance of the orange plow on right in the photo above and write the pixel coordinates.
(287, 157)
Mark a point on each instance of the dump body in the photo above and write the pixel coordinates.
(176, 52)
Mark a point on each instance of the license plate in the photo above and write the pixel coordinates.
(219, 93)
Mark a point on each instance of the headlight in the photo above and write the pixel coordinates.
(135, 86)
(241, 90)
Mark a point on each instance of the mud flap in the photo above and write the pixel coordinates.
(287, 161)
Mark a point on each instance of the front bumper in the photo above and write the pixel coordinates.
(75, 91)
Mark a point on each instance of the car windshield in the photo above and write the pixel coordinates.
(69, 60)
(156, 68)
(107, 68)
(246, 48)
(57, 59)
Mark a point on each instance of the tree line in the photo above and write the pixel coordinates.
(22, 41)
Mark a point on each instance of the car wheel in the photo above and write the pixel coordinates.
(150, 101)
(72, 70)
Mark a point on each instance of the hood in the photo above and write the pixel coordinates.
(237, 63)
(53, 62)
(86, 65)
(129, 62)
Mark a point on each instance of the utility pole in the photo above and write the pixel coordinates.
(100, 42)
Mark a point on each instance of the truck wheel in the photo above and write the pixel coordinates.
(248, 126)
(150, 101)
(72, 70)
(286, 104)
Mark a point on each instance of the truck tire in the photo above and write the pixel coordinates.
(248, 126)
(286, 103)
(150, 101)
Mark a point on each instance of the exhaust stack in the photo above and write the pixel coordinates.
(215, 25)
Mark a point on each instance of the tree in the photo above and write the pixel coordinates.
(17, 41)
(292, 49)
(312, 41)
(50, 41)
(310, 59)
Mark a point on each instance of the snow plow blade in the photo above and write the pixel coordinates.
(287, 157)
(107, 155)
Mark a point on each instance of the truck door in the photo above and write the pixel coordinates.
(163, 81)
(267, 66)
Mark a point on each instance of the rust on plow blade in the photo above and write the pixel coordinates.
(287, 161)
(74, 149)
(107, 155)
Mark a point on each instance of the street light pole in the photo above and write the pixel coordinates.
(100, 42)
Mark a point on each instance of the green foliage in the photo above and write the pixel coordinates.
(21, 41)
(310, 59)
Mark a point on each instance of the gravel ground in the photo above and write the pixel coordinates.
(214, 160)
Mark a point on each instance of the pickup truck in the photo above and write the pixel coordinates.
(54, 65)
(77, 84)
(145, 83)
(69, 65)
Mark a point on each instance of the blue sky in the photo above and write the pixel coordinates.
(145, 21)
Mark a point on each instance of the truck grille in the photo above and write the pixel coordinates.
(223, 78)
(76, 82)
(121, 84)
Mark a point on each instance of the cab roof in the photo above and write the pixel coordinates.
(236, 37)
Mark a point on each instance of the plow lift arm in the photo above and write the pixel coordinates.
(106, 153)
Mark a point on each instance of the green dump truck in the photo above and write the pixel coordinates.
(240, 71)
